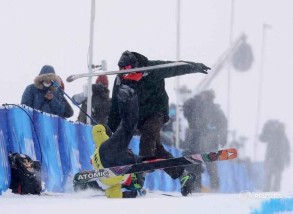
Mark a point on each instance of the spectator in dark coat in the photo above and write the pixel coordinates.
(277, 154)
(101, 102)
(153, 103)
(206, 133)
(44, 97)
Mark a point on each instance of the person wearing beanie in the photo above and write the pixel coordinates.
(101, 102)
(153, 106)
(42, 96)
(103, 79)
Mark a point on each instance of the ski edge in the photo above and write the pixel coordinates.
(200, 158)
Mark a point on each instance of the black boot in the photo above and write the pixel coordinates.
(187, 180)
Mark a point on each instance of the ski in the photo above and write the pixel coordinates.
(221, 155)
(142, 69)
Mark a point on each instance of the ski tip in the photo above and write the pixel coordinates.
(70, 78)
(228, 154)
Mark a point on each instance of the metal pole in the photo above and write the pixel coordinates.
(229, 65)
(177, 83)
(89, 91)
(260, 85)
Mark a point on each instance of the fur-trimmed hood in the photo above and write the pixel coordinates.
(46, 77)
(47, 73)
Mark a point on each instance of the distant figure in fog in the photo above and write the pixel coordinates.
(207, 132)
(277, 153)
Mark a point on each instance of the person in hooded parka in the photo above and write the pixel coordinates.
(43, 96)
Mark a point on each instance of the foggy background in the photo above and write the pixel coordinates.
(35, 33)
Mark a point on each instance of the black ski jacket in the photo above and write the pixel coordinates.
(152, 96)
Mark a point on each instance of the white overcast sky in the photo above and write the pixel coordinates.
(34, 33)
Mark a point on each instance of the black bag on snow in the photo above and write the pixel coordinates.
(25, 174)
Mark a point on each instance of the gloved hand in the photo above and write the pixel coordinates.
(79, 98)
(125, 93)
(85, 90)
(199, 67)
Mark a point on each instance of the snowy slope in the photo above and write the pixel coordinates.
(152, 203)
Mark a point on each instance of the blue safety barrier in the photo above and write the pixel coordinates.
(68, 148)
(86, 145)
(47, 131)
(236, 177)
(19, 121)
(240, 170)
(257, 174)
(64, 148)
(4, 165)
(226, 176)
(274, 205)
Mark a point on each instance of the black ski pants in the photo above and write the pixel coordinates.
(114, 151)
(150, 145)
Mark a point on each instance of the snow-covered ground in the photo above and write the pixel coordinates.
(152, 203)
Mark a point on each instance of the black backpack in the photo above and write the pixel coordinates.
(25, 174)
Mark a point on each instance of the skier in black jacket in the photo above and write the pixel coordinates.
(153, 106)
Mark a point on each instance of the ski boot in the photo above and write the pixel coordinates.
(187, 179)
